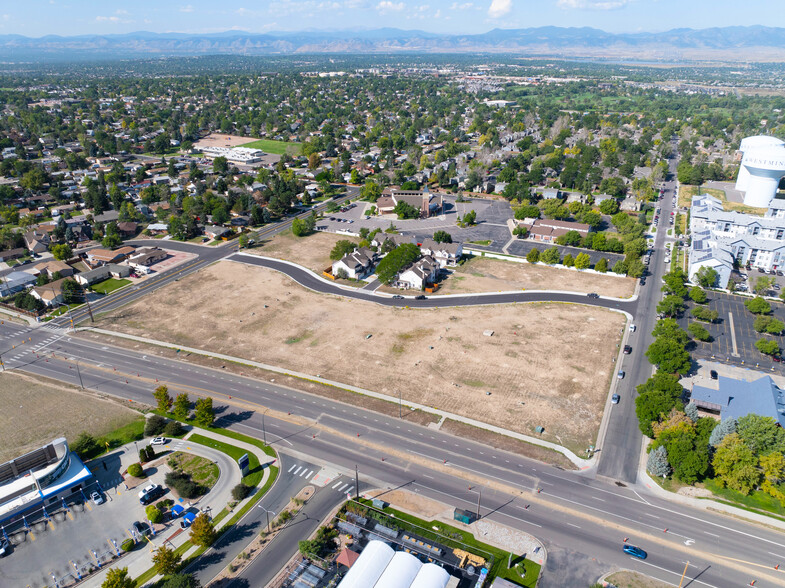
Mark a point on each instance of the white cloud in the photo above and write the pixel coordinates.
(464, 6)
(499, 8)
(107, 19)
(422, 8)
(387, 6)
(592, 4)
(438, 14)
(187, 8)
(122, 12)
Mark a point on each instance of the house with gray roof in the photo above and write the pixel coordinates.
(418, 275)
(737, 398)
(357, 264)
(446, 254)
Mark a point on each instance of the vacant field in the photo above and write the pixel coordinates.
(687, 192)
(221, 140)
(483, 274)
(312, 251)
(547, 364)
(34, 413)
(276, 147)
(628, 579)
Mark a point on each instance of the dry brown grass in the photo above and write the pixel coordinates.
(628, 579)
(35, 412)
(223, 140)
(312, 251)
(483, 274)
(547, 364)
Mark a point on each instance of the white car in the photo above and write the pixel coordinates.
(147, 489)
(159, 441)
(632, 328)
(96, 498)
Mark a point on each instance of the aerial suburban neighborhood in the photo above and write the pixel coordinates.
(373, 307)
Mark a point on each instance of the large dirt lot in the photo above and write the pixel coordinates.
(546, 364)
(34, 413)
(312, 252)
(482, 274)
(221, 140)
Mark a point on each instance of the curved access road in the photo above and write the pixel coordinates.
(309, 280)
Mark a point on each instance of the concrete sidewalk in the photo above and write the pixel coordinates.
(140, 560)
(580, 463)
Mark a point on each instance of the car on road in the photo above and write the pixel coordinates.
(635, 551)
(420, 297)
(620, 375)
(632, 328)
(159, 441)
(96, 497)
(643, 281)
(397, 297)
(627, 349)
(593, 295)
(615, 399)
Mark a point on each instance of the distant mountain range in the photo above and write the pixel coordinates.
(745, 43)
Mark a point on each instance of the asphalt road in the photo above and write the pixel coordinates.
(573, 513)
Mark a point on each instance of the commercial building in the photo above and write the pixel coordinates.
(235, 154)
(380, 566)
(737, 398)
(40, 480)
(720, 237)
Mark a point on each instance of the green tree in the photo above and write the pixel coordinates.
(442, 237)
(620, 267)
(657, 463)
(707, 277)
(758, 305)
(704, 314)
(763, 284)
(72, 291)
(569, 261)
(165, 560)
(404, 210)
(118, 578)
(181, 407)
(671, 306)
(181, 581)
(61, 252)
(162, 397)
(674, 283)
(656, 397)
(582, 261)
(204, 415)
(670, 328)
(722, 430)
(773, 469)
(220, 165)
(767, 346)
(735, 465)
(550, 256)
(299, 228)
(370, 191)
(669, 356)
(768, 324)
(762, 434)
(395, 261)
(699, 332)
(112, 241)
(202, 531)
(601, 266)
(698, 295)
(341, 249)
(533, 256)
(154, 515)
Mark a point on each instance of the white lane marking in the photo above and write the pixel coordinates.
(336, 485)
(670, 572)
(291, 468)
(571, 525)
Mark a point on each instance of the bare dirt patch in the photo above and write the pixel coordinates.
(221, 140)
(628, 579)
(312, 251)
(547, 364)
(482, 274)
(35, 412)
(421, 506)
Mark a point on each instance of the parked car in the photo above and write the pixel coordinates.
(4, 547)
(420, 297)
(627, 349)
(615, 399)
(159, 441)
(397, 297)
(635, 551)
(152, 492)
(96, 497)
(141, 528)
(620, 375)
(713, 374)
(632, 328)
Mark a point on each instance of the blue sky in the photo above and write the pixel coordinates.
(35, 18)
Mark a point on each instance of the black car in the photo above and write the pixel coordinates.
(593, 295)
(713, 374)
(420, 297)
(154, 494)
(643, 281)
(627, 350)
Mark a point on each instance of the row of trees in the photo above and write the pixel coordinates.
(180, 407)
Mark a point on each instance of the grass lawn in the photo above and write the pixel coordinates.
(255, 470)
(754, 502)
(202, 471)
(524, 572)
(64, 308)
(109, 285)
(687, 192)
(276, 147)
(485, 242)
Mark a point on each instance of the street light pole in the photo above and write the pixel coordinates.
(264, 431)
(684, 573)
(78, 373)
(478, 490)
(400, 408)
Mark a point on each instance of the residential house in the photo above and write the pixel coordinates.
(548, 230)
(550, 194)
(96, 257)
(395, 238)
(50, 294)
(158, 228)
(104, 272)
(17, 281)
(127, 229)
(52, 266)
(9, 254)
(107, 217)
(147, 256)
(357, 264)
(418, 275)
(216, 232)
(446, 254)
(737, 398)
(37, 241)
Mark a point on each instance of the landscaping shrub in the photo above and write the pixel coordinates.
(154, 515)
(149, 453)
(136, 470)
(154, 426)
(183, 485)
(240, 491)
(86, 445)
(173, 429)
(127, 545)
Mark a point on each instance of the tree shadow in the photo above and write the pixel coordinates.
(233, 418)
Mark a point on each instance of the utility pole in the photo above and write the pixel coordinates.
(356, 484)
(78, 373)
(684, 573)
(479, 496)
(400, 408)
(264, 431)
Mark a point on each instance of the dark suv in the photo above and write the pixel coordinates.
(153, 494)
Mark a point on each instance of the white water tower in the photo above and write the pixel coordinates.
(762, 167)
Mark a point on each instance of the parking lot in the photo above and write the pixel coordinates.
(721, 348)
(83, 535)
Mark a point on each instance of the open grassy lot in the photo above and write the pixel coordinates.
(276, 147)
(483, 274)
(35, 412)
(109, 285)
(203, 471)
(312, 251)
(546, 364)
(687, 192)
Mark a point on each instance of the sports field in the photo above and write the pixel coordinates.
(276, 147)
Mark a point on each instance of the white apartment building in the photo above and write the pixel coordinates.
(720, 237)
